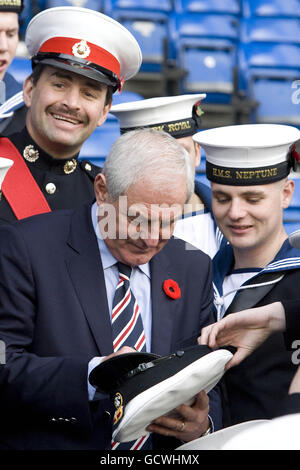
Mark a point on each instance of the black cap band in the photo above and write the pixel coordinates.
(247, 176)
(177, 129)
(15, 6)
(77, 65)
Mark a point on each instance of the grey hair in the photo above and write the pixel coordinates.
(147, 153)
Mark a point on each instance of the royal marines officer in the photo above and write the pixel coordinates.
(179, 116)
(75, 71)
(248, 167)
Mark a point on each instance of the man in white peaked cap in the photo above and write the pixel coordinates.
(248, 167)
(79, 58)
(179, 116)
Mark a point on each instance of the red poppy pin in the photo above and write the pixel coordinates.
(172, 289)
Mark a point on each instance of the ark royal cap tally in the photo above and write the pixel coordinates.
(85, 42)
(145, 386)
(249, 154)
(180, 115)
(11, 5)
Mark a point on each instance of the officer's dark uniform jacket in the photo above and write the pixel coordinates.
(256, 388)
(65, 183)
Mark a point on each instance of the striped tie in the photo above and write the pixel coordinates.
(128, 330)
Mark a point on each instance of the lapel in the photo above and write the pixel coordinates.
(162, 306)
(85, 269)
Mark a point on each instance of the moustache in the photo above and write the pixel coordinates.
(68, 112)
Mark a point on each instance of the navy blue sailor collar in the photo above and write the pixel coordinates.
(13, 95)
(286, 259)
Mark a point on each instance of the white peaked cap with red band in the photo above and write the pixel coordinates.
(84, 41)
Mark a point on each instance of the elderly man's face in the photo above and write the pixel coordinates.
(64, 110)
(144, 219)
(9, 38)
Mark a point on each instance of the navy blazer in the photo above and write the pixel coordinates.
(54, 318)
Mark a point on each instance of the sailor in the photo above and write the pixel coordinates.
(69, 93)
(10, 89)
(179, 116)
(248, 167)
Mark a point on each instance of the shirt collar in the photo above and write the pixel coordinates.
(108, 260)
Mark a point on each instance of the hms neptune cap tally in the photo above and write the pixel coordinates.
(179, 116)
(85, 42)
(249, 154)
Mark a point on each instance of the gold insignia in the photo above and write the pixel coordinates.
(70, 166)
(118, 403)
(81, 49)
(88, 167)
(30, 153)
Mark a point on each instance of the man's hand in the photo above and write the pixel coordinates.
(185, 422)
(244, 330)
(123, 350)
(295, 384)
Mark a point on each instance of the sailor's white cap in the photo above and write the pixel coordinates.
(84, 41)
(180, 115)
(249, 154)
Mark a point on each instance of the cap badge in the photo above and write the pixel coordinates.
(198, 109)
(118, 403)
(81, 49)
(30, 153)
(70, 166)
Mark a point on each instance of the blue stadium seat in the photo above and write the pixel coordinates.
(97, 146)
(145, 5)
(20, 68)
(150, 29)
(205, 45)
(97, 5)
(231, 7)
(202, 25)
(271, 8)
(275, 98)
(275, 55)
(268, 74)
(210, 69)
(276, 30)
